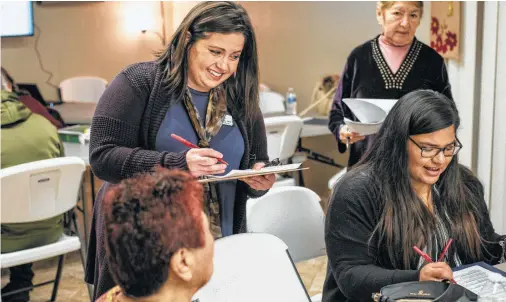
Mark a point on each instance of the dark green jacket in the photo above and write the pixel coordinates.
(27, 137)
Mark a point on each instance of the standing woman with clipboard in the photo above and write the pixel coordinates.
(389, 66)
(204, 88)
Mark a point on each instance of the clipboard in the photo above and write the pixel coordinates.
(483, 265)
(484, 280)
(238, 174)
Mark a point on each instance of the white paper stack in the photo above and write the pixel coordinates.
(370, 112)
(488, 285)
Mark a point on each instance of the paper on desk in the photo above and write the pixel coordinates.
(482, 281)
(236, 174)
(370, 113)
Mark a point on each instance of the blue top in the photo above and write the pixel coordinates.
(228, 141)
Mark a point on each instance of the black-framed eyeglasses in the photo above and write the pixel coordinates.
(431, 152)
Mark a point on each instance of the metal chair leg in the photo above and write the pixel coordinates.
(83, 255)
(301, 179)
(85, 214)
(58, 277)
(82, 250)
(92, 182)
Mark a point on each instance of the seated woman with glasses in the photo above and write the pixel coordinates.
(409, 190)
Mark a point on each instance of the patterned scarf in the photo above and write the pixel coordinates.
(216, 111)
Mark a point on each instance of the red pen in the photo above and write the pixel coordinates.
(427, 258)
(445, 250)
(190, 145)
(421, 253)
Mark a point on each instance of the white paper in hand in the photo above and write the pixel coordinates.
(363, 128)
(370, 113)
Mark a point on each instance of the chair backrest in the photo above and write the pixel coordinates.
(336, 178)
(252, 268)
(271, 103)
(82, 89)
(292, 214)
(283, 134)
(39, 190)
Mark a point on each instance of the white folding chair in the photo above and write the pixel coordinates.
(283, 134)
(264, 87)
(82, 89)
(336, 178)
(292, 214)
(271, 103)
(36, 191)
(252, 268)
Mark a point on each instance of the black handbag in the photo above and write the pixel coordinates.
(424, 291)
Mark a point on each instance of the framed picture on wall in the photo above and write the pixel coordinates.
(445, 33)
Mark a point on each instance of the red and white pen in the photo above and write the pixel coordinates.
(193, 146)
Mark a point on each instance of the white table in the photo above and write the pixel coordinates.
(502, 267)
(83, 152)
(76, 112)
(80, 150)
(315, 126)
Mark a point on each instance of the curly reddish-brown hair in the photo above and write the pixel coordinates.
(147, 219)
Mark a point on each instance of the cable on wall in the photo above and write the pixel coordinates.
(160, 34)
(39, 57)
(163, 34)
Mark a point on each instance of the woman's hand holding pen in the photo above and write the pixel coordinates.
(348, 137)
(204, 161)
(436, 271)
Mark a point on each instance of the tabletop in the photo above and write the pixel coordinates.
(76, 112)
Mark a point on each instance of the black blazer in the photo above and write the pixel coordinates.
(122, 143)
(356, 267)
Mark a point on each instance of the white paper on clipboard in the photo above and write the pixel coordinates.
(482, 279)
(236, 174)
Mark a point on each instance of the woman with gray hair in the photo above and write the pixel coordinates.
(389, 66)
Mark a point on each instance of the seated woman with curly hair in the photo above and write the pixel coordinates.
(158, 243)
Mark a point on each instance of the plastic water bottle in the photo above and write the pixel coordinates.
(291, 102)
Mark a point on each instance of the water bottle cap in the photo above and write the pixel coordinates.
(290, 89)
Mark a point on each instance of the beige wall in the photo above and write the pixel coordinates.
(83, 39)
(298, 42)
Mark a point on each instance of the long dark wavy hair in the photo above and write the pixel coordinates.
(405, 221)
(241, 90)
